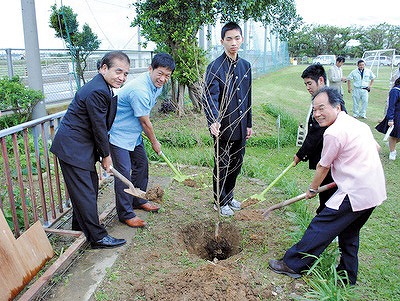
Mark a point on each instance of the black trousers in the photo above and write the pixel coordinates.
(228, 160)
(325, 226)
(133, 165)
(83, 188)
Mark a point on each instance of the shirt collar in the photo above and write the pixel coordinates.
(230, 59)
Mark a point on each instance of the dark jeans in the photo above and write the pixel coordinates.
(325, 226)
(134, 166)
(227, 168)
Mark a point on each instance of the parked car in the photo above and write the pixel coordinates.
(377, 61)
(396, 60)
(325, 59)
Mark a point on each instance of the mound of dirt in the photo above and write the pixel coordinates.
(249, 215)
(250, 201)
(208, 282)
(191, 183)
(155, 194)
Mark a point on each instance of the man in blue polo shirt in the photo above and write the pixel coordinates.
(135, 101)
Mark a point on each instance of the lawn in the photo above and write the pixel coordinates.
(164, 259)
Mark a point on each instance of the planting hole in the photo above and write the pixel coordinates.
(200, 239)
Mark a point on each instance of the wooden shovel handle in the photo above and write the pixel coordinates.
(121, 177)
(296, 198)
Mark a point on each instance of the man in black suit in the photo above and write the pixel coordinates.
(82, 139)
(227, 105)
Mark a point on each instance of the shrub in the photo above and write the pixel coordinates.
(16, 102)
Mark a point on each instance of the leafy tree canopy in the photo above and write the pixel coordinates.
(312, 40)
(173, 26)
(80, 43)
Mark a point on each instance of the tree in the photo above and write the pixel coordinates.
(382, 36)
(173, 26)
(312, 40)
(80, 44)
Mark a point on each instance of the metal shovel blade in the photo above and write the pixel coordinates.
(131, 189)
(136, 192)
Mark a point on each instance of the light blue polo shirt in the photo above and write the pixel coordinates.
(135, 99)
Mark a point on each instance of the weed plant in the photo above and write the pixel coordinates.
(325, 282)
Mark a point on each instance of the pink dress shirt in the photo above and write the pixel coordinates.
(351, 152)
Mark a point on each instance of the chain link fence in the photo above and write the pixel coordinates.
(261, 47)
(58, 70)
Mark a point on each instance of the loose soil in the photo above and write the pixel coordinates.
(188, 252)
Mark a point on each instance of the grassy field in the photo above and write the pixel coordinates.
(162, 263)
(379, 257)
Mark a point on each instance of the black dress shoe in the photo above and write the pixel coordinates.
(108, 242)
(280, 267)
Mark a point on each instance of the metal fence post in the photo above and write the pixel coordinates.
(9, 63)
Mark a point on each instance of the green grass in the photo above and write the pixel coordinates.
(283, 93)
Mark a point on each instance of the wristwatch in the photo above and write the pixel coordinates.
(315, 191)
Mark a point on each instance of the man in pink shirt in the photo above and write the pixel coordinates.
(351, 152)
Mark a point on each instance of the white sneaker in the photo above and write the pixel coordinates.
(225, 210)
(392, 155)
(235, 205)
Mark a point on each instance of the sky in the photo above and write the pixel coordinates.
(110, 19)
(344, 13)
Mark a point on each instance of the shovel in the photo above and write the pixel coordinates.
(295, 199)
(178, 175)
(131, 189)
(261, 197)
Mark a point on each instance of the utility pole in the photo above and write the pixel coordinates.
(32, 54)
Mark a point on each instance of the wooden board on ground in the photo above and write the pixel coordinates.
(22, 258)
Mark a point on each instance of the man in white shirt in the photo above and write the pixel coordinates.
(335, 75)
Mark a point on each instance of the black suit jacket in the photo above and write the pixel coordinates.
(312, 146)
(227, 96)
(82, 136)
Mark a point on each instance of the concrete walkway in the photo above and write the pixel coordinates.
(88, 270)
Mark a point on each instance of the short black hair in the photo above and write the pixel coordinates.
(360, 61)
(340, 59)
(109, 58)
(230, 26)
(397, 82)
(314, 72)
(163, 60)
